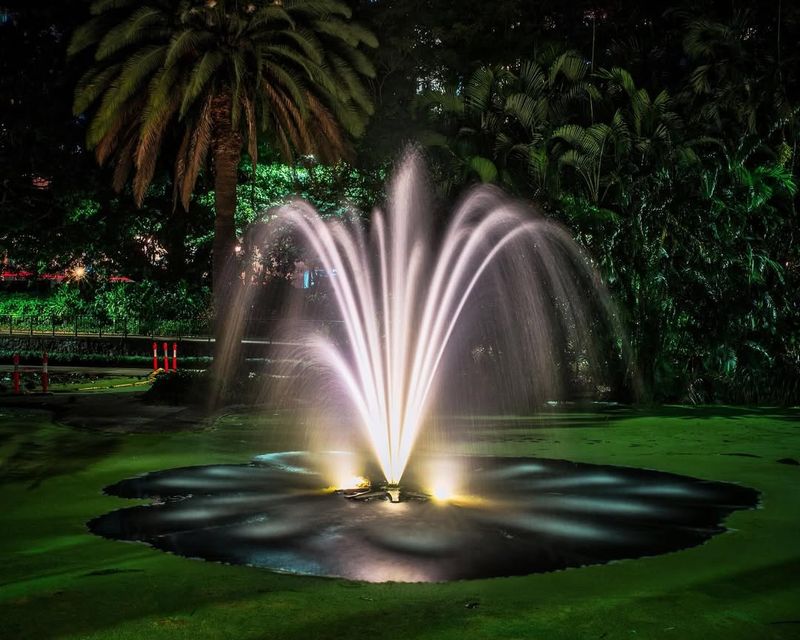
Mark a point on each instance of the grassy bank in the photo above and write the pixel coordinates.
(60, 581)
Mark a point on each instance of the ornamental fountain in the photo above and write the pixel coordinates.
(407, 301)
(418, 321)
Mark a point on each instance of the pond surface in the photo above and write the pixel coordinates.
(511, 516)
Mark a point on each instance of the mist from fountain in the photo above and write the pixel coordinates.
(413, 301)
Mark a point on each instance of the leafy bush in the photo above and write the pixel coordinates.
(34, 357)
(196, 388)
(63, 301)
(179, 387)
(149, 306)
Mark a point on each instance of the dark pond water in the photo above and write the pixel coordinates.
(513, 516)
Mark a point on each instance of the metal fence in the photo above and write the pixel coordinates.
(79, 325)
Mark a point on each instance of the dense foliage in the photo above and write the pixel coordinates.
(177, 308)
(663, 134)
(211, 80)
(685, 198)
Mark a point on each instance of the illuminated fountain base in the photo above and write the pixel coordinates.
(393, 492)
(513, 516)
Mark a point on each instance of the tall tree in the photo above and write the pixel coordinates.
(685, 199)
(214, 78)
(495, 127)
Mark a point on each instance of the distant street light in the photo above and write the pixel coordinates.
(78, 273)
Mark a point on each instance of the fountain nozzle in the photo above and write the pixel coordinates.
(393, 491)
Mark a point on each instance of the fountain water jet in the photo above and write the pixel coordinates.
(402, 296)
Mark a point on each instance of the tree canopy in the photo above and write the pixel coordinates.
(663, 134)
(219, 77)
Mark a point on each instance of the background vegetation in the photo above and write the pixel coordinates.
(663, 134)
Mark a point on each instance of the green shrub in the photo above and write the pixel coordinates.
(179, 387)
(175, 309)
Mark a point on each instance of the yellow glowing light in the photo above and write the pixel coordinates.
(78, 273)
(341, 470)
(442, 491)
(469, 501)
(352, 482)
(360, 482)
(444, 481)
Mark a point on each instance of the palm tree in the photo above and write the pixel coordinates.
(495, 128)
(640, 137)
(214, 78)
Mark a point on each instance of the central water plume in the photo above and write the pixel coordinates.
(407, 297)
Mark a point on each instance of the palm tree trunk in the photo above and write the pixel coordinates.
(227, 151)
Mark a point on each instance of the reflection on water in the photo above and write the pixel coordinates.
(512, 517)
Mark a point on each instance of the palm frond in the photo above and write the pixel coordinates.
(102, 6)
(484, 168)
(91, 85)
(293, 71)
(200, 77)
(86, 35)
(137, 27)
(188, 42)
(317, 8)
(197, 152)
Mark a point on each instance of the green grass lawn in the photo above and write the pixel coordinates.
(59, 383)
(58, 581)
(99, 384)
